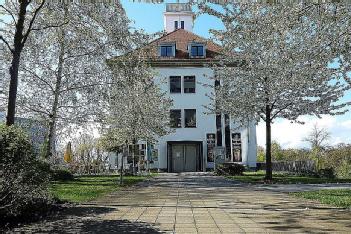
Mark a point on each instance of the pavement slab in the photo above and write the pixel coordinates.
(198, 203)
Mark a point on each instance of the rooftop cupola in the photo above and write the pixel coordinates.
(178, 15)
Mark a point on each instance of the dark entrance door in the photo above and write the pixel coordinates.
(184, 156)
(190, 155)
(178, 158)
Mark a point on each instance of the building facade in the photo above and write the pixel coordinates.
(35, 129)
(180, 58)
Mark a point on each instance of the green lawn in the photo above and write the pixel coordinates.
(335, 197)
(284, 178)
(86, 188)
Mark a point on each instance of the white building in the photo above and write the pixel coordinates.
(35, 129)
(180, 57)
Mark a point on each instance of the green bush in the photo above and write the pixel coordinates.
(344, 169)
(23, 178)
(229, 169)
(61, 175)
(327, 173)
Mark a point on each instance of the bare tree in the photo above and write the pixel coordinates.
(318, 138)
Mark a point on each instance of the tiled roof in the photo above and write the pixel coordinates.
(182, 38)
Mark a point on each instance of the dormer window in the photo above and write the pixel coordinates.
(197, 50)
(167, 50)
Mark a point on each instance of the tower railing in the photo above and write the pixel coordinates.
(178, 7)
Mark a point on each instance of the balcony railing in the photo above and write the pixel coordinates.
(178, 7)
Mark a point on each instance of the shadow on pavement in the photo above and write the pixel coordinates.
(117, 226)
(84, 219)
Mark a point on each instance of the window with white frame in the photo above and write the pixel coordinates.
(175, 118)
(175, 84)
(189, 84)
(197, 50)
(166, 51)
(190, 118)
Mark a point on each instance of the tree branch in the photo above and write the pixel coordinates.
(39, 78)
(42, 111)
(50, 26)
(280, 110)
(7, 44)
(32, 22)
(8, 11)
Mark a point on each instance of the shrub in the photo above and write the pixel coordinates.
(327, 173)
(229, 169)
(344, 169)
(61, 175)
(23, 178)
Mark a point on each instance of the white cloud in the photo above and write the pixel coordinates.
(291, 135)
(346, 124)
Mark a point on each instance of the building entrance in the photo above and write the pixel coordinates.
(184, 156)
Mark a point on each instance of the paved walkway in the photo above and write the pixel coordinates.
(195, 203)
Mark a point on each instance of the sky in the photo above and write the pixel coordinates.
(290, 135)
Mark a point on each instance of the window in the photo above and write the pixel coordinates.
(167, 51)
(190, 118)
(175, 25)
(197, 50)
(175, 84)
(182, 24)
(176, 118)
(189, 84)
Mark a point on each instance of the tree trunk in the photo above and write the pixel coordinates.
(268, 145)
(121, 172)
(16, 57)
(124, 154)
(133, 155)
(53, 115)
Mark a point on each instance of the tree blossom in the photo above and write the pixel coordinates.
(63, 71)
(275, 64)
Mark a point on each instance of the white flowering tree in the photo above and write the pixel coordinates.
(275, 65)
(14, 34)
(64, 73)
(18, 19)
(334, 21)
(137, 108)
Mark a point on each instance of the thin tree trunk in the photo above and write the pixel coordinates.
(18, 46)
(124, 154)
(133, 155)
(53, 115)
(121, 172)
(268, 145)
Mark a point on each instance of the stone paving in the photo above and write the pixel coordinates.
(198, 203)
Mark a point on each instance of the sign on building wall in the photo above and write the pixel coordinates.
(155, 155)
(211, 143)
(236, 147)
